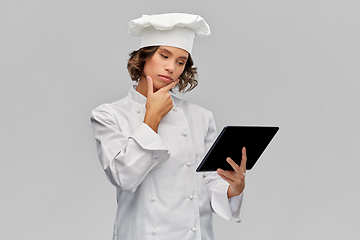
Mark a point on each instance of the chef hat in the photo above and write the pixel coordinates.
(171, 29)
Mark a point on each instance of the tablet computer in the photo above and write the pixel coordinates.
(230, 142)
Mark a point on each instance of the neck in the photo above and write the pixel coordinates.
(142, 86)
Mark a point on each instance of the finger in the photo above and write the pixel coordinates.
(226, 175)
(243, 160)
(233, 164)
(170, 86)
(228, 180)
(150, 85)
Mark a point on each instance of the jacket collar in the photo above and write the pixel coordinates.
(136, 96)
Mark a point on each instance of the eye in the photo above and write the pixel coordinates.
(181, 63)
(164, 56)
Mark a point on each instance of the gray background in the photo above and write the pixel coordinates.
(294, 64)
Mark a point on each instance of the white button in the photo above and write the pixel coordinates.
(152, 199)
(188, 164)
(193, 229)
(154, 231)
(174, 109)
(138, 111)
(184, 134)
(191, 197)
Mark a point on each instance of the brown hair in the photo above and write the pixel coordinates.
(137, 61)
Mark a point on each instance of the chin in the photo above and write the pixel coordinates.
(157, 86)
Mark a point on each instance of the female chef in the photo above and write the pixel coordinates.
(150, 142)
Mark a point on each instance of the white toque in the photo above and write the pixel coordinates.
(170, 29)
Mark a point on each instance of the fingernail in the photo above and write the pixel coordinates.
(148, 78)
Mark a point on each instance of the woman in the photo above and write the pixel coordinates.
(150, 142)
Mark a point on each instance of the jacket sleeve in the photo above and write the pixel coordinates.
(126, 160)
(230, 209)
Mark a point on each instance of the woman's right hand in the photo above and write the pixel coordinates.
(158, 104)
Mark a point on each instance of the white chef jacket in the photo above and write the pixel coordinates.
(159, 193)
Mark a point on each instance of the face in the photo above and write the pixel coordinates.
(165, 66)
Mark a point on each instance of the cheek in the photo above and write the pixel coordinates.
(180, 71)
(147, 68)
(150, 63)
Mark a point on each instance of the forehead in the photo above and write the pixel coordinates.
(178, 52)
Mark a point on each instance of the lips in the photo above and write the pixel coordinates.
(166, 78)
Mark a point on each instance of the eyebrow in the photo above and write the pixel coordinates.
(166, 50)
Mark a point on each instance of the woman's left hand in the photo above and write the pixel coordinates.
(235, 178)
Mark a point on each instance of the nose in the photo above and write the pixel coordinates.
(170, 67)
